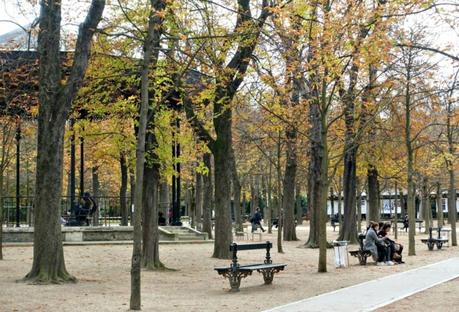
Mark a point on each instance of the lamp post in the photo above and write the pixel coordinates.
(72, 167)
(81, 166)
(176, 183)
(18, 176)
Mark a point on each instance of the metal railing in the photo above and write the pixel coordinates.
(109, 209)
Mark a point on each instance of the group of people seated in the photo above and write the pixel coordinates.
(383, 250)
(82, 211)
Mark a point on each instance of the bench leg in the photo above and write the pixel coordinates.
(439, 245)
(235, 279)
(235, 282)
(362, 259)
(430, 245)
(268, 274)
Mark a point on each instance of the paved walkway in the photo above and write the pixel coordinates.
(377, 293)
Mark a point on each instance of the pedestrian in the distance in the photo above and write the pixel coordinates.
(256, 221)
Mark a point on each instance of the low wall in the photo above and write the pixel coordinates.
(82, 234)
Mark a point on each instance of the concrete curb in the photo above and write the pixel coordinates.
(89, 243)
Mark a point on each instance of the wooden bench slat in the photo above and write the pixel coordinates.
(250, 246)
(265, 266)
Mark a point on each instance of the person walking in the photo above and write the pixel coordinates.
(256, 221)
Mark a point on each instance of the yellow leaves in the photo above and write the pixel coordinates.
(161, 14)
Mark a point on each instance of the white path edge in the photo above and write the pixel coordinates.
(314, 303)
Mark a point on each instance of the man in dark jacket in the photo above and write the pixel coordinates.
(256, 221)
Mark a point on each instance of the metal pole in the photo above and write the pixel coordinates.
(72, 166)
(174, 183)
(81, 166)
(18, 158)
(332, 204)
(178, 174)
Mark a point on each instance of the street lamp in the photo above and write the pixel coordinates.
(176, 183)
(18, 158)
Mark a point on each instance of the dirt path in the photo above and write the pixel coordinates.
(103, 273)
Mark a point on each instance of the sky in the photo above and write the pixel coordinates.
(23, 13)
(9, 11)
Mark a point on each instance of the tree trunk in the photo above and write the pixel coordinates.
(55, 103)
(244, 203)
(288, 201)
(223, 223)
(132, 192)
(269, 199)
(358, 207)
(150, 246)
(373, 194)
(349, 229)
(236, 187)
(410, 170)
(280, 213)
(191, 203)
(254, 200)
(150, 56)
(318, 163)
(317, 157)
(452, 210)
(208, 197)
(299, 209)
(426, 206)
(395, 220)
(123, 190)
(340, 202)
(96, 194)
(438, 202)
(403, 205)
(452, 195)
(198, 196)
(164, 203)
(48, 265)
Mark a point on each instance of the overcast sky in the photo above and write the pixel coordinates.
(21, 12)
(9, 11)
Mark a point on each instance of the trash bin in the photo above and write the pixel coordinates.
(341, 255)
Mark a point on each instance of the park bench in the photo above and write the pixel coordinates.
(418, 223)
(361, 254)
(334, 224)
(444, 233)
(235, 272)
(241, 234)
(431, 241)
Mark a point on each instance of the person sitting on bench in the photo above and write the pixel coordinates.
(377, 246)
(84, 209)
(161, 219)
(395, 248)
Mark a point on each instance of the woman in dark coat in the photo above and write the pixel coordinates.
(395, 248)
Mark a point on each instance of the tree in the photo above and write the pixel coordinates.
(55, 99)
(451, 134)
(413, 69)
(150, 58)
(228, 79)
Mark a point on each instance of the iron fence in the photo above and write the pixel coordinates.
(109, 210)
